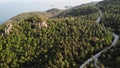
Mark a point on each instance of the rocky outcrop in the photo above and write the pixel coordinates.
(42, 24)
(8, 28)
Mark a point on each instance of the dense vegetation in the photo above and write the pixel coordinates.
(111, 58)
(111, 19)
(67, 42)
(85, 12)
(111, 16)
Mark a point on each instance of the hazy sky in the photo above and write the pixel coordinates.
(9, 8)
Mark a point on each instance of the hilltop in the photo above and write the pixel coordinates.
(47, 14)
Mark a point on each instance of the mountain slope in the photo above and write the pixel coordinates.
(111, 16)
(82, 10)
(64, 43)
(54, 11)
(111, 19)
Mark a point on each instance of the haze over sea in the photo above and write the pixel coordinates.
(10, 8)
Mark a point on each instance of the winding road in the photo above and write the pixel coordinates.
(95, 57)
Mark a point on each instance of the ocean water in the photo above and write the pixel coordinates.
(2, 20)
(5, 18)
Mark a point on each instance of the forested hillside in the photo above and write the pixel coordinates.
(111, 20)
(86, 11)
(64, 43)
(63, 39)
(111, 16)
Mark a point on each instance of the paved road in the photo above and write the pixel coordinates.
(95, 57)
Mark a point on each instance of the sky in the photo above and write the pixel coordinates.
(10, 8)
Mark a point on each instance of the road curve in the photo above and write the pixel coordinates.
(95, 57)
